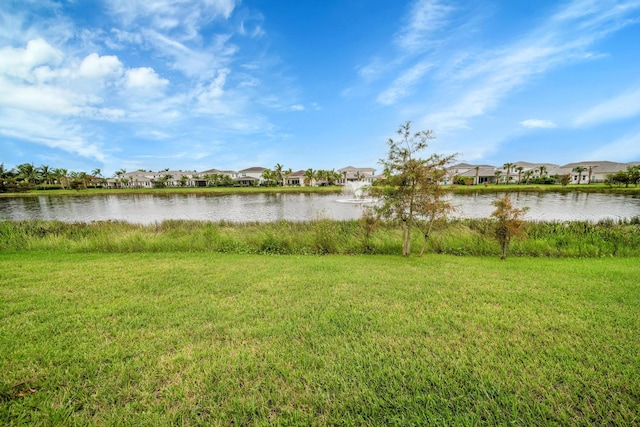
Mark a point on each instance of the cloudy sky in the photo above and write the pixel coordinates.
(229, 84)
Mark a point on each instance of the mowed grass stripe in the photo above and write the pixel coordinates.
(211, 339)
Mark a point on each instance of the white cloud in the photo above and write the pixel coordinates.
(209, 97)
(184, 18)
(537, 123)
(425, 18)
(400, 87)
(144, 78)
(45, 130)
(20, 62)
(42, 98)
(100, 67)
(623, 106)
(565, 37)
(622, 149)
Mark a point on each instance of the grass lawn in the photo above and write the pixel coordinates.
(214, 339)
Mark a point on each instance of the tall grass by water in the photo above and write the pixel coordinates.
(458, 237)
(149, 339)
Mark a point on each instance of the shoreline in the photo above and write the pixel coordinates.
(223, 191)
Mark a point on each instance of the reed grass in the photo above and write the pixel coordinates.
(606, 238)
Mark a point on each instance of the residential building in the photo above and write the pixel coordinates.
(350, 174)
(250, 177)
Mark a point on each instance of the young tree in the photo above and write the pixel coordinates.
(409, 190)
(509, 222)
(565, 179)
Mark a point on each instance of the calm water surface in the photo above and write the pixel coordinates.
(148, 209)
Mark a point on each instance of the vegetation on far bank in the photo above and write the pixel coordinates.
(212, 191)
(29, 180)
(152, 339)
(220, 191)
(606, 238)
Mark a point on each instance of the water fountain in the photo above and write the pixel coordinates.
(355, 192)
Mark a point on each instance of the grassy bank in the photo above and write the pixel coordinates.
(457, 237)
(460, 189)
(539, 188)
(211, 339)
(213, 191)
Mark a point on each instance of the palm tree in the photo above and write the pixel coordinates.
(543, 170)
(508, 167)
(590, 173)
(497, 174)
(527, 176)
(519, 169)
(333, 177)
(268, 176)
(579, 170)
(45, 173)
(60, 175)
(477, 168)
(28, 173)
(309, 176)
(278, 170)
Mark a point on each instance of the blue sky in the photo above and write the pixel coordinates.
(199, 84)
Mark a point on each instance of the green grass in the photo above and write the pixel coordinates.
(214, 339)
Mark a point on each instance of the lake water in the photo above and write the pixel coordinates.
(148, 209)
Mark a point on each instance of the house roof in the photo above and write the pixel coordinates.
(299, 173)
(354, 169)
(253, 169)
(218, 171)
(600, 166)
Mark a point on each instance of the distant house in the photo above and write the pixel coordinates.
(294, 178)
(229, 173)
(594, 171)
(484, 174)
(351, 174)
(137, 179)
(249, 177)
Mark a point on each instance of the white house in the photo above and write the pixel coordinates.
(351, 173)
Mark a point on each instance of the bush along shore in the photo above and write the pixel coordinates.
(476, 237)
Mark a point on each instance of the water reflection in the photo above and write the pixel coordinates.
(148, 209)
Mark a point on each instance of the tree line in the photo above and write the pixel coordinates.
(27, 177)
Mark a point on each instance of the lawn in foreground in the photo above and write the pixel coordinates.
(211, 339)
